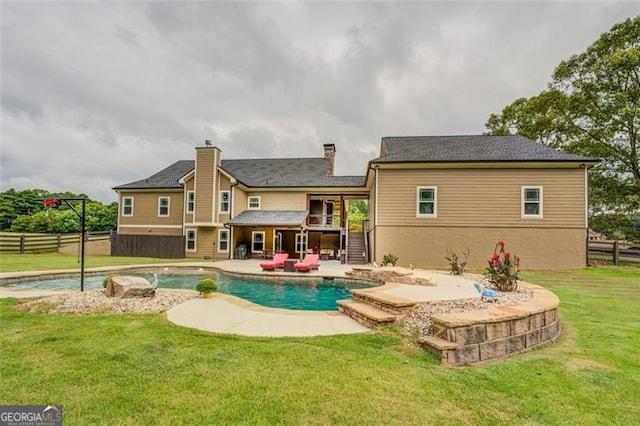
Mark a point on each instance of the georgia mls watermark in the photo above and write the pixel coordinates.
(30, 415)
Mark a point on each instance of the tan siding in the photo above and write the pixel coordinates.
(145, 208)
(188, 186)
(239, 201)
(280, 200)
(149, 230)
(205, 166)
(225, 185)
(426, 247)
(482, 197)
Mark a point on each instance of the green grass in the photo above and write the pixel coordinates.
(141, 369)
(54, 261)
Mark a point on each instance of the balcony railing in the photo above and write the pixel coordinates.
(324, 221)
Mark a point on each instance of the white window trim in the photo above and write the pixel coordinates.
(264, 241)
(195, 240)
(194, 202)
(168, 207)
(301, 243)
(228, 202)
(127, 198)
(220, 231)
(522, 201)
(435, 202)
(249, 203)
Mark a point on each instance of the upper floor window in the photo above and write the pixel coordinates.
(191, 201)
(163, 206)
(127, 206)
(427, 201)
(254, 203)
(224, 201)
(532, 202)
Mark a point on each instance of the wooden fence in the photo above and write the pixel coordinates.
(614, 252)
(43, 243)
(158, 246)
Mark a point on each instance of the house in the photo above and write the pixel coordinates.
(426, 195)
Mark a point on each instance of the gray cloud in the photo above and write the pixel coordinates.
(99, 94)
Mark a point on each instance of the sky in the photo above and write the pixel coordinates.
(98, 94)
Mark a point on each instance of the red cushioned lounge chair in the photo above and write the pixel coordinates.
(277, 262)
(309, 262)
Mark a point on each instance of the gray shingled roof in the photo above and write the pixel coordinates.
(287, 172)
(165, 178)
(270, 218)
(469, 149)
(267, 173)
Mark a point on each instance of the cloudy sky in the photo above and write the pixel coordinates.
(97, 94)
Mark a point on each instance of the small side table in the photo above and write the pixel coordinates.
(288, 265)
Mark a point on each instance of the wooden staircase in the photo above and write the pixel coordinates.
(374, 309)
(356, 248)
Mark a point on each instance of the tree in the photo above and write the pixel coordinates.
(591, 108)
(22, 211)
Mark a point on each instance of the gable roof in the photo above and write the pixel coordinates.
(287, 172)
(472, 148)
(259, 173)
(165, 178)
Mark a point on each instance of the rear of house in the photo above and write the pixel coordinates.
(225, 209)
(430, 195)
(426, 196)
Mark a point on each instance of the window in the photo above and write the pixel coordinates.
(427, 201)
(254, 203)
(191, 240)
(127, 206)
(224, 202)
(163, 206)
(223, 240)
(257, 242)
(532, 202)
(191, 201)
(301, 243)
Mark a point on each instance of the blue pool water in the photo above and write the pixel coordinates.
(310, 294)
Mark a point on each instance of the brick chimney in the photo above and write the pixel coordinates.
(330, 154)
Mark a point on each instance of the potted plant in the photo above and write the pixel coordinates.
(206, 286)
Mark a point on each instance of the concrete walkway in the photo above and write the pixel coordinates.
(228, 314)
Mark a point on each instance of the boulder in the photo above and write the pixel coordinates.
(129, 287)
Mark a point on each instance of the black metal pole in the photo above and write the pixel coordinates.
(83, 225)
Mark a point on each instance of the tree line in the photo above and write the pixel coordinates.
(22, 211)
(591, 107)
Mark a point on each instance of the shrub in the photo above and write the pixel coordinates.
(107, 278)
(503, 272)
(206, 285)
(457, 262)
(389, 259)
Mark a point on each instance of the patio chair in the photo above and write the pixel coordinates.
(309, 262)
(277, 262)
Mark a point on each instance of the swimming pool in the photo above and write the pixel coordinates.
(309, 294)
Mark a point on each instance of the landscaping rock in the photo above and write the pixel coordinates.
(129, 287)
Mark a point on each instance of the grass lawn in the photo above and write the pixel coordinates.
(141, 369)
(53, 261)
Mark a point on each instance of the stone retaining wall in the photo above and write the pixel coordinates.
(470, 337)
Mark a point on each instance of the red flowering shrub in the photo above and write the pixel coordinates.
(503, 272)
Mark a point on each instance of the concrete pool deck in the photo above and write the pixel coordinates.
(229, 314)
